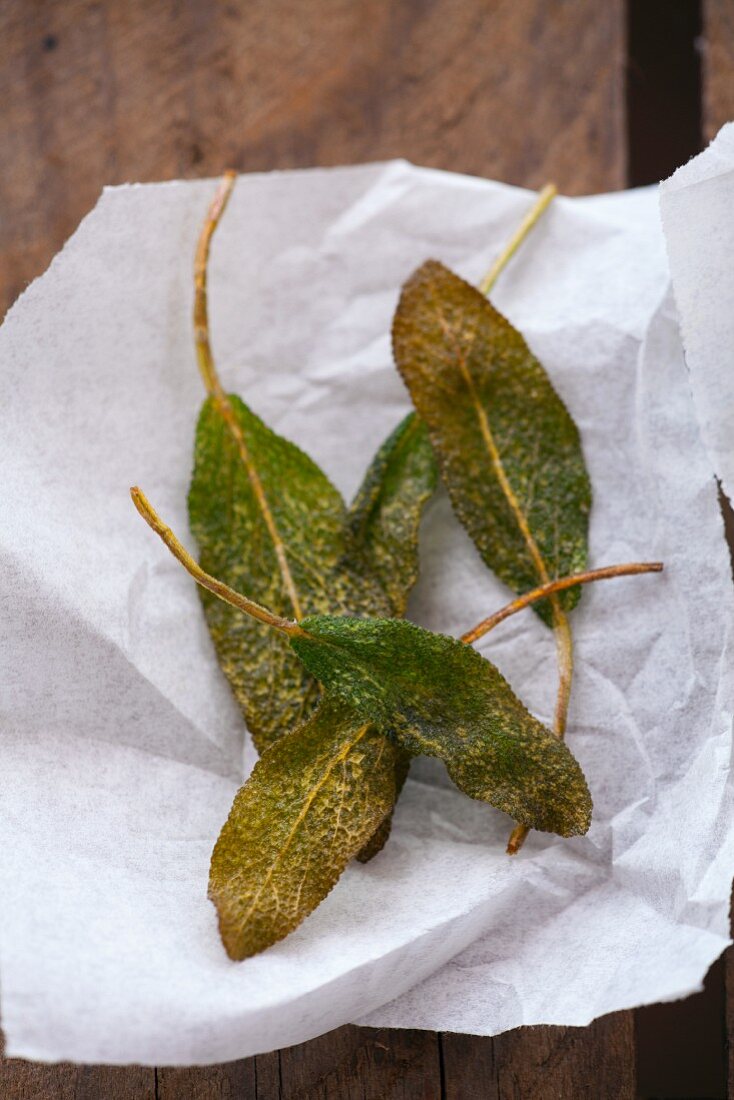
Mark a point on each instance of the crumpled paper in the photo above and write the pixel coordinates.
(121, 747)
(696, 208)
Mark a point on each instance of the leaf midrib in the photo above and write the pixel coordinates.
(339, 758)
(226, 411)
(489, 441)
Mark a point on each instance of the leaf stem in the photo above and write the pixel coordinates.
(564, 648)
(201, 260)
(213, 385)
(561, 626)
(564, 643)
(608, 572)
(223, 591)
(543, 201)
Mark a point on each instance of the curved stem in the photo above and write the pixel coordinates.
(201, 260)
(213, 386)
(564, 647)
(545, 197)
(564, 644)
(550, 589)
(561, 625)
(542, 591)
(223, 591)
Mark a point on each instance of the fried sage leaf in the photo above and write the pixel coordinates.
(384, 520)
(381, 835)
(269, 522)
(385, 516)
(440, 697)
(312, 801)
(508, 450)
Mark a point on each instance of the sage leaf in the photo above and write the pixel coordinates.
(381, 834)
(269, 522)
(385, 516)
(313, 800)
(440, 697)
(364, 561)
(508, 450)
(384, 520)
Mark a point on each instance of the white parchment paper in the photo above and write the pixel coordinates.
(696, 206)
(121, 748)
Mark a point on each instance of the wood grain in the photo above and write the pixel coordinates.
(540, 1062)
(718, 65)
(102, 92)
(469, 1066)
(231, 1081)
(583, 1063)
(354, 1063)
(28, 1081)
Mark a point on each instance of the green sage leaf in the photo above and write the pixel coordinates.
(381, 834)
(384, 519)
(385, 516)
(440, 697)
(508, 450)
(363, 561)
(313, 800)
(298, 544)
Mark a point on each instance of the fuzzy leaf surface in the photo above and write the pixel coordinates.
(441, 698)
(384, 519)
(236, 545)
(311, 803)
(509, 452)
(385, 516)
(381, 835)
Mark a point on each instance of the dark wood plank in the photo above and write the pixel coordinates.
(469, 1067)
(664, 127)
(539, 1063)
(359, 1063)
(681, 1045)
(267, 1076)
(536, 1063)
(589, 1063)
(28, 1081)
(101, 92)
(230, 1081)
(718, 65)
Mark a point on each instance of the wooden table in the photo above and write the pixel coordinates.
(591, 95)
